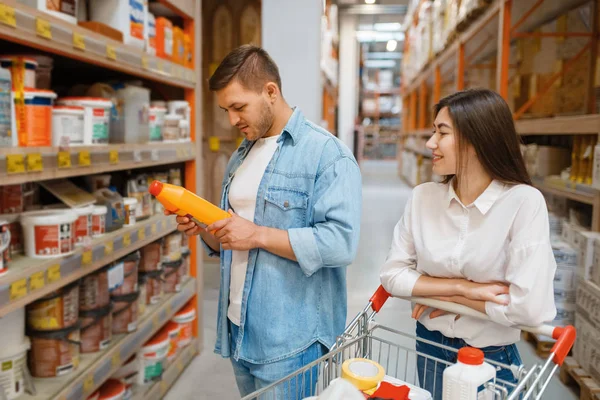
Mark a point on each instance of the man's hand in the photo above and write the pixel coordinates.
(186, 225)
(236, 233)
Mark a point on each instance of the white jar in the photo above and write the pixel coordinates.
(67, 122)
(131, 205)
(96, 119)
(463, 379)
(156, 120)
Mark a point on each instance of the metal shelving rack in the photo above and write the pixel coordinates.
(29, 279)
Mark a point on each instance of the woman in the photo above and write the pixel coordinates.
(480, 238)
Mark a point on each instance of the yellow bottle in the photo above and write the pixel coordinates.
(182, 202)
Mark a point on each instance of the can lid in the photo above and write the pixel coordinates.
(187, 312)
(112, 389)
(172, 327)
(31, 93)
(470, 356)
(159, 339)
(100, 210)
(72, 109)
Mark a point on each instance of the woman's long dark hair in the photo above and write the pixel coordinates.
(482, 119)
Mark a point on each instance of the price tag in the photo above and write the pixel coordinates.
(113, 157)
(86, 257)
(37, 280)
(34, 162)
(116, 359)
(7, 15)
(42, 28)
(15, 163)
(214, 143)
(111, 53)
(127, 239)
(153, 229)
(88, 384)
(78, 41)
(137, 156)
(155, 322)
(108, 248)
(145, 62)
(54, 273)
(18, 289)
(154, 155)
(142, 234)
(85, 159)
(64, 159)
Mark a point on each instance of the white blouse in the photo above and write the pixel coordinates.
(503, 236)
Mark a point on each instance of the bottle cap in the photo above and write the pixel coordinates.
(470, 356)
(155, 188)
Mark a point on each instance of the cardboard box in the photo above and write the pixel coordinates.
(588, 301)
(587, 242)
(595, 272)
(549, 160)
(568, 234)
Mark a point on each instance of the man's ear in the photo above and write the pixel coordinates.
(272, 91)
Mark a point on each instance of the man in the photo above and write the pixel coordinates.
(294, 194)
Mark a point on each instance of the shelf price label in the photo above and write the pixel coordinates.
(86, 257)
(15, 163)
(142, 234)
(113, 157)
(7, 15)
(54, 273)
(144, 62)
(88, 384)
(108, 248)
(78, 41)
(42, 28)
(64, 159)
(85, 159)
(18, 289)
(116, 359)
(127, 239)
(111, 53)
(34, 162)
(153, 229)
(37, 280)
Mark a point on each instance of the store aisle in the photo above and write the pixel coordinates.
(384, 198)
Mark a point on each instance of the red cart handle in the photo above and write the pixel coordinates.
(564, 336)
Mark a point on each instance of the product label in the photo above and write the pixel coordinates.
(37, 126)
(82, 226)
(98, 224)
(152, 371)
(70, 126)
(155, 131)
(116, 276)
(100, 119)
(136, 19)
(63, 6)
(53, 239)
(5, 114)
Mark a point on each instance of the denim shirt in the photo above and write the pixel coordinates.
(312, 189)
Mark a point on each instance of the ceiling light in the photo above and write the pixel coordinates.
(370, 1)
(391, 45)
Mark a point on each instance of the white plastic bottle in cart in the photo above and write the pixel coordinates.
(465, 379)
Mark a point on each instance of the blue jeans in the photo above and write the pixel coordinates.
(431, 372)
(252, 377)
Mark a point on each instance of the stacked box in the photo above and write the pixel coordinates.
(565, 283)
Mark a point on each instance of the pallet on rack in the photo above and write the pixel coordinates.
(571, 374)
(541, 345)
(472, 15)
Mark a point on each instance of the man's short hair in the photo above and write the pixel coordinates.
(250, 65)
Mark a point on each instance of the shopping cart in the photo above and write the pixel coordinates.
(395, 351)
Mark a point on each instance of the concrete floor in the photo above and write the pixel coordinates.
(384, 197)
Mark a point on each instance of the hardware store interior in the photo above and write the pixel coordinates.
(108, 111)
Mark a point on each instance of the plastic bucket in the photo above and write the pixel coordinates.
(153, 353)
(83, 225)
(58, 310)
(96, 329)
(49, 233)
(54, 353)
(185, 318)
(67, 125)
(96, 118)
(99, 220)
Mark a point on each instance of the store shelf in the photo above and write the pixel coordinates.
(382, 92)
(424, 153)
(30, 27)
(100, 159)
(578, 124)
(185, 8)
(157, 390)
(381, 115)
(29, 279)
(585, 194)
(96, 368)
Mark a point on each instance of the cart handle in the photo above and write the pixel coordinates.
(564, 336)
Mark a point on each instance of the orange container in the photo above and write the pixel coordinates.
(164, 38)
(185, 319)
(178, 46)
(34, 117)
(187, 45)
(182, 202)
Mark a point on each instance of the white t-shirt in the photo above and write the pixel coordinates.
(242, 198)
